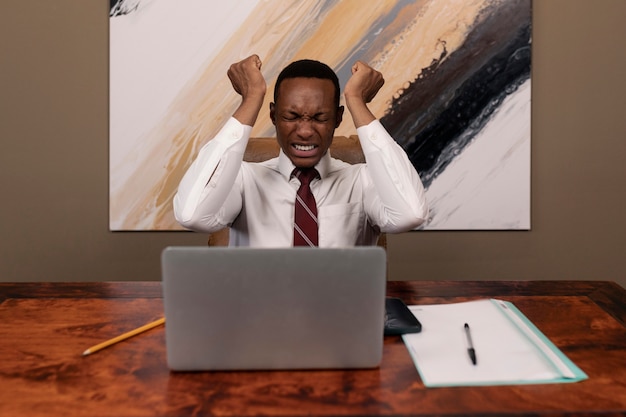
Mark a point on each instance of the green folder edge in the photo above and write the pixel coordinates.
(579, 375)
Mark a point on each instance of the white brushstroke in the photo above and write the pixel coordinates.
(153, 53)
(487, 186)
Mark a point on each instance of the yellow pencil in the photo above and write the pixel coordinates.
(124, 336)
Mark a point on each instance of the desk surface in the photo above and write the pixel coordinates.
(44, 328)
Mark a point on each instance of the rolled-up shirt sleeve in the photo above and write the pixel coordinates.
(207, 199)
(400, 204)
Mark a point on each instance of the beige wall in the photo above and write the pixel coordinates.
(54, 157)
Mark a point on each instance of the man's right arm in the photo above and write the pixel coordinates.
(205, 200)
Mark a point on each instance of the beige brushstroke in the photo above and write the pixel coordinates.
(144, 201)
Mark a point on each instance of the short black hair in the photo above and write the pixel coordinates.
(308, 68)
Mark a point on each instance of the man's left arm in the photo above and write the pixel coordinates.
(397, 183)
(401, 193)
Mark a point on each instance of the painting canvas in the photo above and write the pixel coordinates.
(457, 93)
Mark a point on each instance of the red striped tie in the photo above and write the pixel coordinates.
(305, 219)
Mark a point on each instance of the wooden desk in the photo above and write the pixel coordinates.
(44, 328)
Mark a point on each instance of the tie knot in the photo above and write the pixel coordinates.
(305, 175)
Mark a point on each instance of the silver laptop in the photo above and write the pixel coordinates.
(255, 309)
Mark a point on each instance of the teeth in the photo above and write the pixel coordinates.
(304, 147)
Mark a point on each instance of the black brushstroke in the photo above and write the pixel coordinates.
(122, 7)
(453, 98)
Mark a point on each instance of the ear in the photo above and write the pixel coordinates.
(273, 113)
(339, 116)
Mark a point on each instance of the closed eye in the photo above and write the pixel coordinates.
(317, 118)
(291, 117)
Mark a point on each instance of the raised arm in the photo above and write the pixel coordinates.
(399, 202)
(248, 82)
(207, 199)
(361, 88)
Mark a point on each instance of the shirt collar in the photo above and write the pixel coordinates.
(286, 167)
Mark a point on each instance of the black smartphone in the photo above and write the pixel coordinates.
(399, 319)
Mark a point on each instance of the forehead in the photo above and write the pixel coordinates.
(306, 91)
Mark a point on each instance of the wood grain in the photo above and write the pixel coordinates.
(45, 328)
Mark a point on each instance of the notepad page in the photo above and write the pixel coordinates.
(536, 339)
(504, 354)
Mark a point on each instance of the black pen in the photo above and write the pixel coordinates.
(470, 345)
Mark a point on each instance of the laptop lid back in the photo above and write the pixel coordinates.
(291, 308)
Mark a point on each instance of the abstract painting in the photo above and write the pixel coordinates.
(457, 93)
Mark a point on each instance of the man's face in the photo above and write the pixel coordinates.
(305, 116)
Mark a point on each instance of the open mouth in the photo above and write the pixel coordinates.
(304, 148)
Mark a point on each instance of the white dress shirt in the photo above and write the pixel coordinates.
(256, 200)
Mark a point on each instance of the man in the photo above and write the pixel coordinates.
(354, 203)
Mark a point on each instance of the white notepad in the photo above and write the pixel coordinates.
(509, 348)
